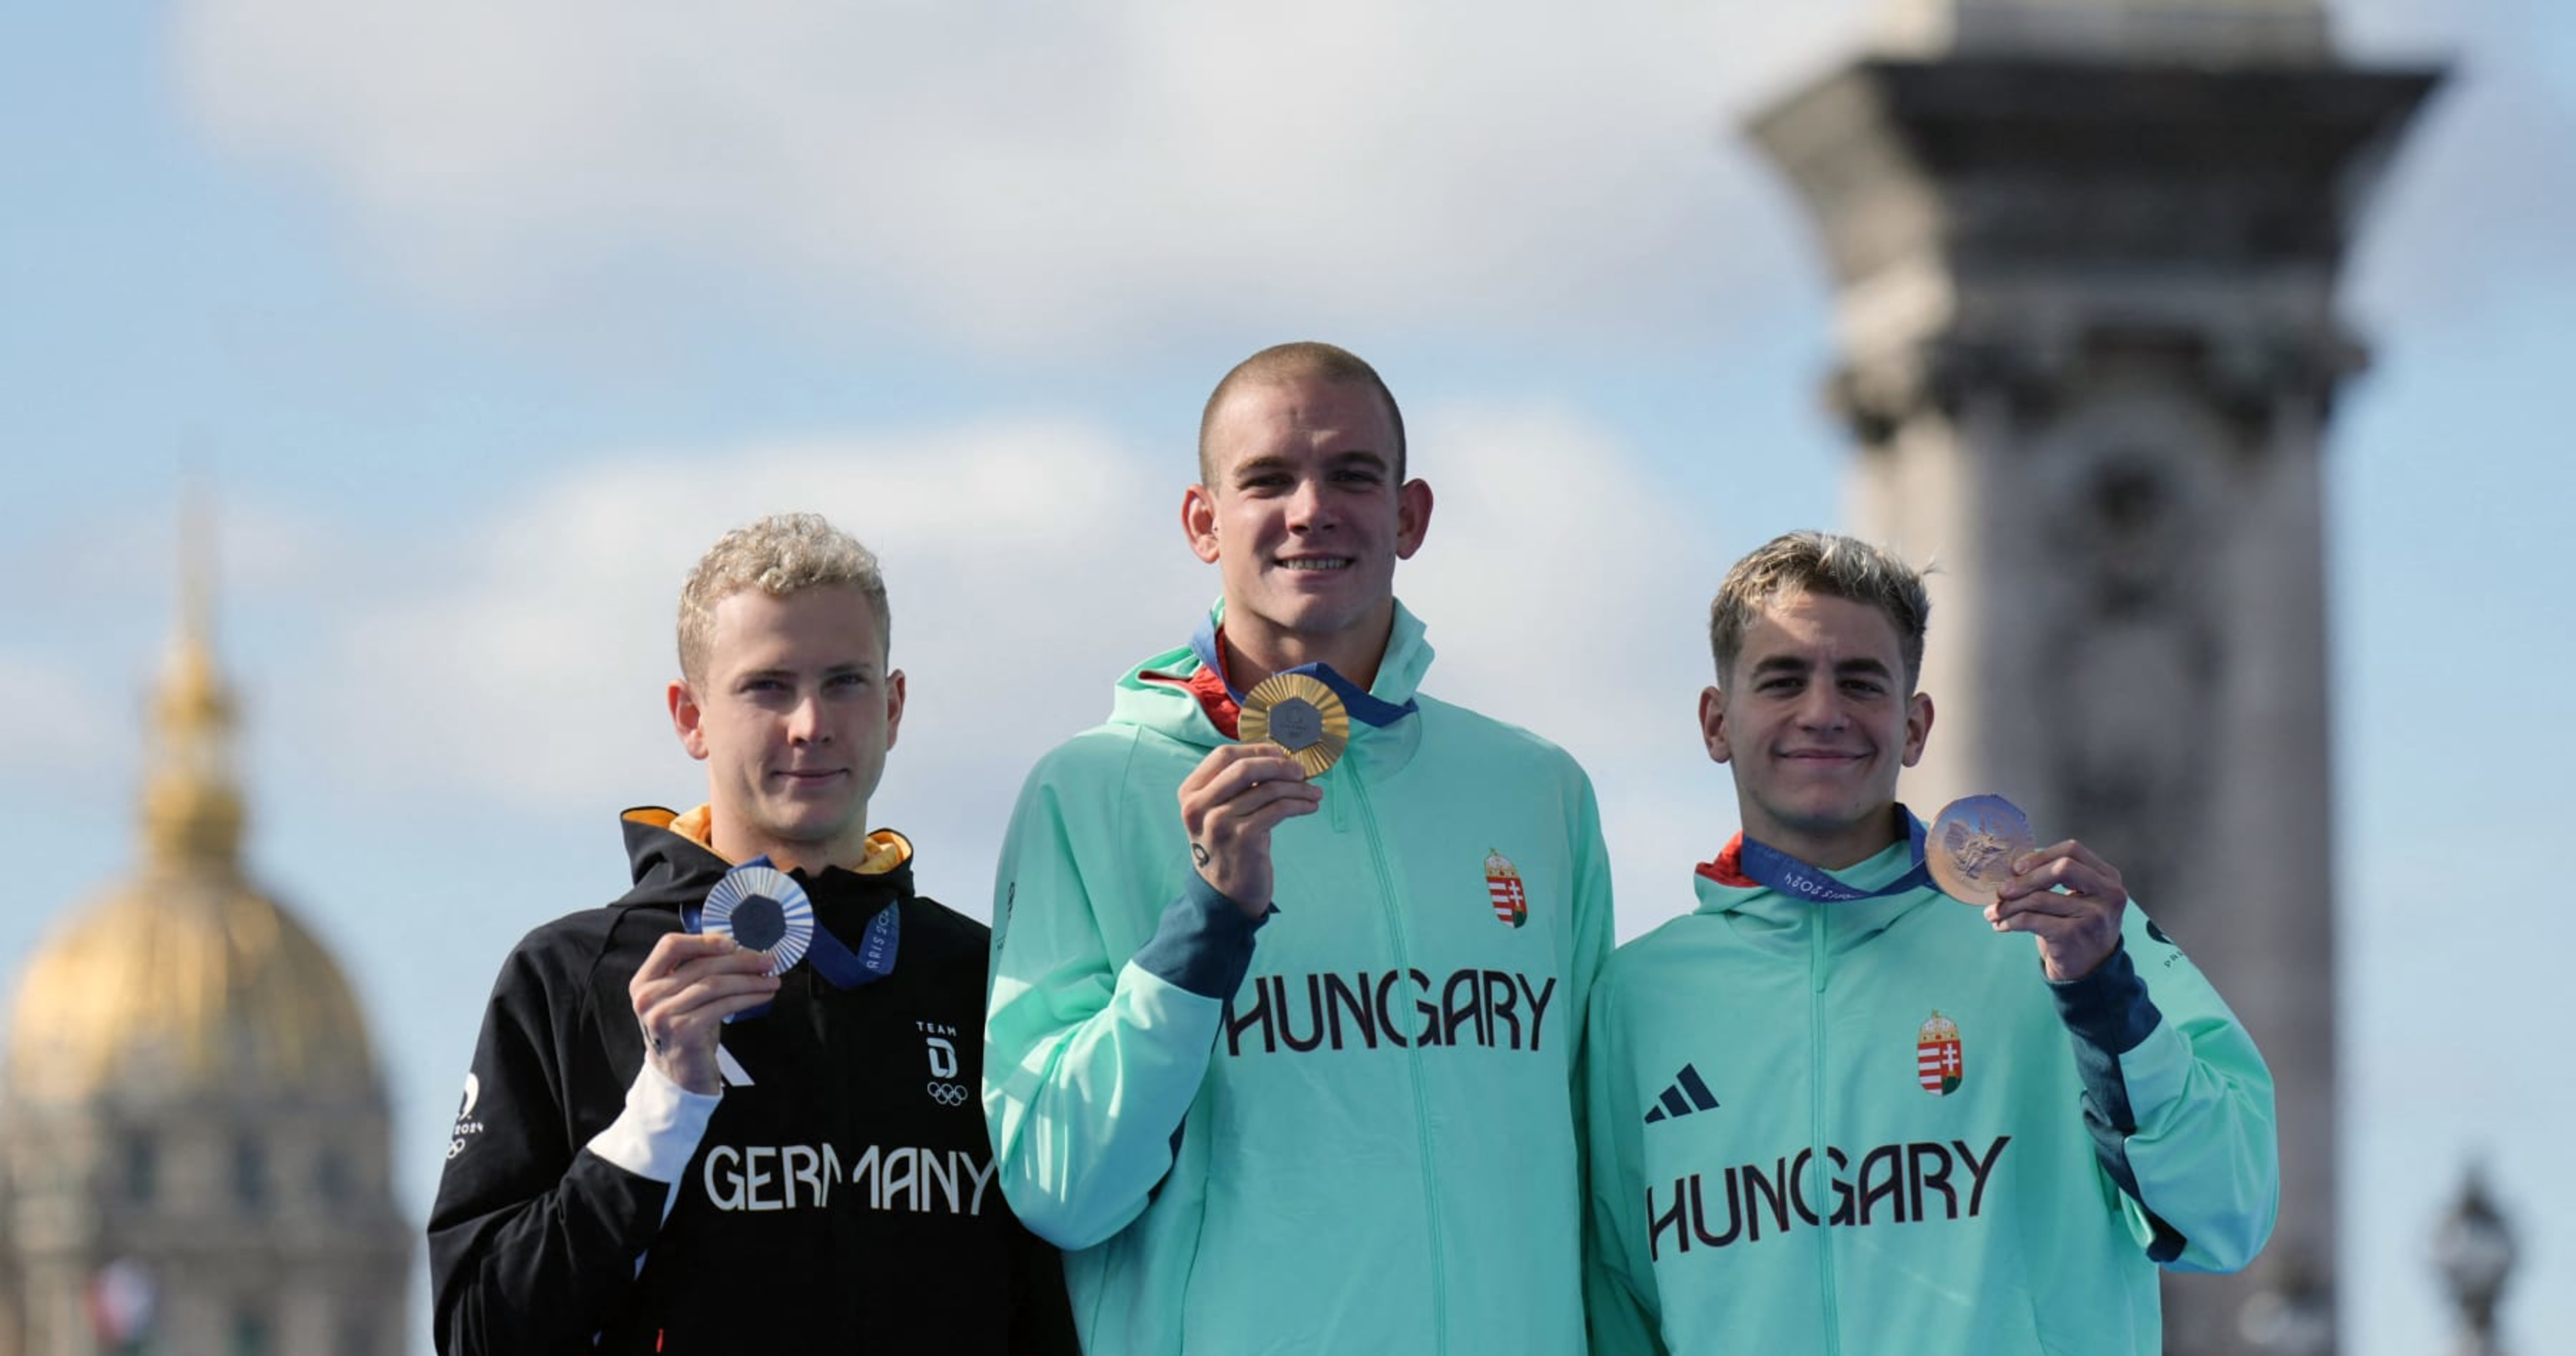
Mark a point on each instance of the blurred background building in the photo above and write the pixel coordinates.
(194, 1143)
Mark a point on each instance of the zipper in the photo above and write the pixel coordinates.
(1817, 965)
(1413, 1067)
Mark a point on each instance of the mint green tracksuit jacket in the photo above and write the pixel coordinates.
(1875, 1127)
(1350, 1129)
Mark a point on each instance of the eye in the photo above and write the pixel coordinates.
(1864, 687)
(847, 680)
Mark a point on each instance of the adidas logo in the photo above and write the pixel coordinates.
(1686, 1095)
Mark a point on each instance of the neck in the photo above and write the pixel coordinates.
(1253, 652)
(738, 842)
(1836, 847)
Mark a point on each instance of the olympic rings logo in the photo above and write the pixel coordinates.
(948, 1094)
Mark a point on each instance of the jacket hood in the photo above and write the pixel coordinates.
(1153, 694)
(671, 869)
(1779, 922)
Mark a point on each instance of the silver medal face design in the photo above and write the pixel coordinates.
(762, 909)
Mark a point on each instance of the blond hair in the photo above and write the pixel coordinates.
(1829, 565)
(782, 554)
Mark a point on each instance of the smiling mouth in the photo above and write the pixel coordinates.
(1316, 564)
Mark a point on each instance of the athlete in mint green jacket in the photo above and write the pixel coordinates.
(1835, 1111)
(1346, 1122)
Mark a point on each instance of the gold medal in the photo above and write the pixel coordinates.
(1299, 714)
(1972, 845)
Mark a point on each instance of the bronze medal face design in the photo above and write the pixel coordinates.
(1971, 847)
(1297, 713)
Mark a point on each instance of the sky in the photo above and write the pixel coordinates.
(481, 320)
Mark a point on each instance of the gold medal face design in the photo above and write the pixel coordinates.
(1971, 846)
(1299, 714)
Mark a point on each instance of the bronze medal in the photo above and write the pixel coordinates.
(1297, 713)
(1971, 847)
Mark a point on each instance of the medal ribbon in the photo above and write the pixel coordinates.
(839, 965)
(1778, 871)
(1364, 708)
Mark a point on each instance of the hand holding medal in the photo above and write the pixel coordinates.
(1981, 851)
(1292, 728)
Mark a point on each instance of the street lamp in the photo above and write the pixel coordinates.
(2475, 1251)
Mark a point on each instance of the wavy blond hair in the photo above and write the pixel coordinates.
(780, 555)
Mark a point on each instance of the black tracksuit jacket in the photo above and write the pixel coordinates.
(842, 1201)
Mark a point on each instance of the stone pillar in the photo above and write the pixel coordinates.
(2085, 254)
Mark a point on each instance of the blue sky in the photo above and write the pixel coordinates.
(483, 322)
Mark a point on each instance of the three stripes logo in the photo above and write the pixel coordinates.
(1688, 1093)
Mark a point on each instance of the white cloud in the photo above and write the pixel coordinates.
(1020, 176)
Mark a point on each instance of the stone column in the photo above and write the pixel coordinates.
(2085, 254)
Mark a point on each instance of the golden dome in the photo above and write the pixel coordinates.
(178, 985)
(186, 980)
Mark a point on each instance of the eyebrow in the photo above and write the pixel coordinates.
(1255, 465)
(832, 671)
(1783, 663)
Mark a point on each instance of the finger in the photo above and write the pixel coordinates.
(677, 1005)
(706, 1017)
(1229, 818)
(1245, 773)
(677, 948)
(1270, 816)
(2061, 873)
(2066, 850)
(1225, 757)
(741, 960)
(2046, 903)
(2052, 928)
(661, 995)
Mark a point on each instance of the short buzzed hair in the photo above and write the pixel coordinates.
(781, 555)
(1284, 362)
(1829, 565)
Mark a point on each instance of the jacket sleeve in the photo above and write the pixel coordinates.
(2178, 1102)
(534, 1240)
(1620, 1304)
(1091, 1059)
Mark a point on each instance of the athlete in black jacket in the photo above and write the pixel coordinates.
(629, 1173)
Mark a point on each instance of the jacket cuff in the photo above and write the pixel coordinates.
(1204, 943)
(2109, 1008)
(658, 1132)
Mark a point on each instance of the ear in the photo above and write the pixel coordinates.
(1412, 517)
(1712, 723)
(1198, 521)
(894, 705)
(687, 718)
(1918, 727)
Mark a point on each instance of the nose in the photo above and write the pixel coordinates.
(1820, 708)
(805, 723)
(1309, 508)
